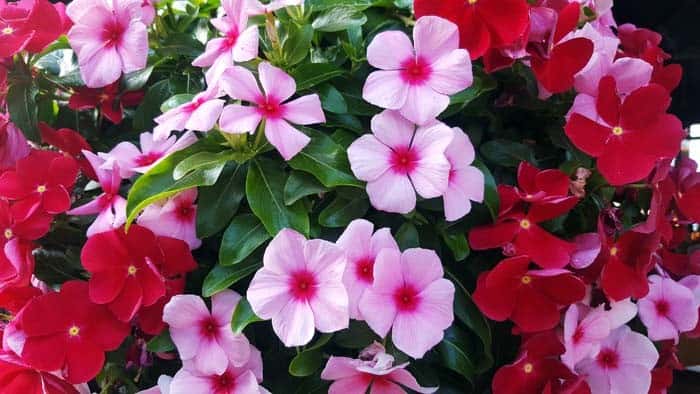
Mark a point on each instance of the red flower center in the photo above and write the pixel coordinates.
(112, 34)
(406, 298)
(303, 285)
(416, 71)
(185, 212)
(148, 158)
(662, 307)
(578, 335)
(403, 160)
(270, 108)
(364, 270)
(231, 38)
(608, 358)
(223, 383)
(208, 327)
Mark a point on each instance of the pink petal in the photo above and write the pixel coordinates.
(420, 267)
(405, 378)
(205, 116)
(382, 239)
(636, 349)
(460, 152)
(355, 240)
(423, 104)
(369, 158)
(630, 74)
(325, 260)
(102, 68)
(435, 37)
(133, 48)
(246, 383)
(304, 110)
(246, 47)
(284, 254)
(239, 119)
(451, 73)
(183, 311)
(464, 185)
(186, 382)
(401, 50)
(276, 82)
(629, 379)
(235, 346)
(339, 368)
(213, 50)
(268, 293)
(294, 325)
(330, 307)
(355, 384)
(385, 89)
(431, 175)
(210, 358)
(286, 139)
(392, 192)
(392, 129)
(239, 83)
(222, 306)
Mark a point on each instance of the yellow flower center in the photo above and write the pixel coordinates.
(525, 224)
(528, 368)
(74, 331)
(526, 279)
(617, 130)
(131, 270)
(8, 233)
(613, 251)
(472, 2)
(8, 30)
(41, 189)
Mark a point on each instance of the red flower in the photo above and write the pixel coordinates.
(483, 24)
(108, 99)
(630, 135)
(128, 270)
(13, 299)
(687, 193)
(65, 331)
(625, 263)
(645, 44)
(150, 318)
(16, 265)
(543, 195)
(531, 299)
(556, 62)
(42, 181)
(71, 143)
(18, 377)
(30, 25)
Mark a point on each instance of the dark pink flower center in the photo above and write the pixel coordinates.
(608, 358)
(416, 71)
(185, 211)
(208, 327)
(302, 285)
(112, 34)
(364, 270)
(231, 38)
(662, 307)
(194, 104)
(148, 159)
(270, 108)
(224, 383)
(578, 335)
(406, 298)
(403, 160)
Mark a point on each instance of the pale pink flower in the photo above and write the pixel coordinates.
(622, 366)
(465, 182)
(418, 82)
(668, 308)
(243, 379)
(269, 105)
(109, 206)
(361, 248)
(409, 296)
(175, 217)
(109, 37)
(200, 114)
(374, 368)
(148, 11)
(205, 340)
(133, 160)
(163, 386)
(398, 158)
(300, 287)
(238, 44)
(13, 145)
(257, 8)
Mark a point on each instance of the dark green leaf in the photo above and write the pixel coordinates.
(357, 336)
(150, 106)
(338, 19)
(221, 278)
(201, 160)
(21, 103)
(299, 185)
(326, 160)
(342, 211)
(137, 79)
(297, 44)
(162, 343)
(320, 5)
(242, 237)
(491, 198)
(458, 245)
(310, 360)
(332, 100)
(454, 353)
(243, 316)
(311, 74)
(176, 101)
(180, 44)
(507, 153)
(407, 236)
(218, 203)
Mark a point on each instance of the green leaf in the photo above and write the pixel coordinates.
(458, 245)
(21, 103)
(309, 75)
(242, 237)
(310, 360)
(161, 343)
(332, 100)
(243, 315)
(321, 5)
(407, 236)
(150, 106)
(357, 336)
(180, 44)
(454, 353)
(137, 79)
(342, 211)
(339, 19)
(326, 160)
(222, 277)
(176, 101)
(201, 160)
(507, 153)
(297, 44)
(219, 203)
(491, 198)
(299, 185)
(265, 191)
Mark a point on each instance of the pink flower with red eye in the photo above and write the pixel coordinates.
(668, 309)
(466, 182)
(42, 182)
(175, 218)
(418, 82)
(204, 339)
(109, 37)
(300, 287)
(361, 247)
(200, 114)
(238, 44)
(109, 206)
(399, 160)
(269, 105)
(409, 295)
(132, 159)
(623, 364)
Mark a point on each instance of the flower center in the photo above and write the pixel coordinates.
(302, 285)
(209, 327)
(131, 270)
(231, 38)
(365, 270)
(185, 212)
(613, 251)
(472, 2)
(617, 131)
(8, 30)
(525, 224)
(526, 279)
(403, 160)
(8, 233)
(608, 358)
(415, 71)
(74, 331)
(40, 188)
(406, 298)
(223, 383)
(578, 335)
(528, 367)
(270, 108)
(148, 159)
(662, 307)
(112, 34)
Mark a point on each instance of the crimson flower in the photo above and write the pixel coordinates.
(129, 269)
(628, 136)
(16, 265)
(541, 196)
(150, 318)
(42, 181)
(30, 25)
(687, 194)
(531, 299)
(18, 377)
(483, 24)
(65, 331)
(108, 99)
(71, 143)
(29, 229)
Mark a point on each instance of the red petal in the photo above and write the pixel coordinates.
(621, 163)
(34, 227)
(534, 311)
(83, 99)
(543, 248)
(669, 76)
(106, 285)
(551, 208)
(565, 61)
(620, 281)
(56, 200)
(587, 135)
(125, 306)
(12, 186)
(493, 236)
(491, 300)
(84, 361)
(104, 330)
(505, 27)
(45, 315)
(553, 182)
(152, 284)
(63, 171)
(112, 111)
(564, 289)
(526, 177)
(644, 106)
(105, 251)
(689, 203)
(608, 103)
(46, 352)
(567, 20)
(177, 258)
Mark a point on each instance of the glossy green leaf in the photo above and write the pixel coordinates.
(454, 353)
(218, 204)
(507, 153)
(332, 100)
(243, 315)
(176, 101)
(341, 211)
(491, 198)
(201, 160)
(310, 360)
(458, 245)
(161, 343)
(407, 236)
(297, 44)
(150, 106)
(338, 19)
(222, 277)
(21, 103)
(326, 160)
(309, 75)
(357, 336)
(242, 237)
(136, 80)
(299, 185)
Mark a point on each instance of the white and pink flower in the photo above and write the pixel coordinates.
(132, 159)
(200, 114)
(176, 217)
(668, 309)
(466, 182)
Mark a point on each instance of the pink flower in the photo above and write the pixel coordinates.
(257, 8)
(243, 379)
(13, 145)
(205, 340)
(373, 368)
(465, 182)
(175, 218)
(109, 37)
(134, 160)
(109, 206)
(200, 114)
(300, 287)
(398, 158)
(163, 386)
(361, 248)
(418, 82)
(410, 295)
(623, 364)
(269, 106)
(238, 44)
(668, 308)
(148, 11)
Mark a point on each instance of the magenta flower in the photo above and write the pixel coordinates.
(418, 82)
(465, 182)
(200, 114)
(109, 206)
(109, 37)
(373, 368)
(270, 107)
(238, 44)
(300, 287)
(175, 218)
(361, 248)
(623, 364)
(205, 340)
(133, 160)
(668, 308)
(398, 158)
(409, 296)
